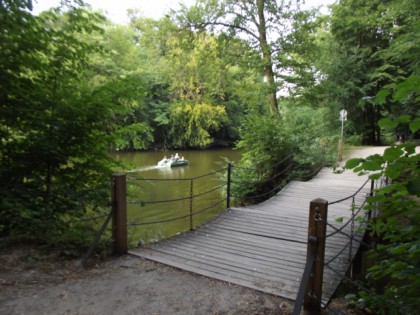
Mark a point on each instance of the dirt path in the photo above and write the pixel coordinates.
(124, 285)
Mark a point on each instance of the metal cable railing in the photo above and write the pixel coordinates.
(252, 189)
(188, 200)
(143, 203)
(345, 224)
(268, 167)
(177, 179)
(181, 205)
(351, 196)
(351, 221)
(266, 180)
(179, 217)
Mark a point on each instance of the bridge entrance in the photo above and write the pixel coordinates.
(264, 246)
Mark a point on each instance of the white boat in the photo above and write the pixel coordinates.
(173, 161)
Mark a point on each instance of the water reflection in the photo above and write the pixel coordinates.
(158, 194)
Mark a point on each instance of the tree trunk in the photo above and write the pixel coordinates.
(268, 64)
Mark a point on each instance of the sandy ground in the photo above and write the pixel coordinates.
(126, 285)
(32, 283)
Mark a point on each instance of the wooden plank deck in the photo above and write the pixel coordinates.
(263, 246)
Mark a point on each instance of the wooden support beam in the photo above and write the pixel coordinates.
(318, 211)
(119, 218)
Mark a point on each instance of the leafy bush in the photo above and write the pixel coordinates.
(54, 130)
(301, 133)
(397, 269)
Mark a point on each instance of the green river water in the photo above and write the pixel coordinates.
(157, 196)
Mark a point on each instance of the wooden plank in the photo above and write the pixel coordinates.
(252, 253)
(206, 270)
(231, 267)
(263, 246)
(235, 261)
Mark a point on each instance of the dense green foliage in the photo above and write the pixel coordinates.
(266, 141)
(395, 275)
(372, 45)
(50, 119)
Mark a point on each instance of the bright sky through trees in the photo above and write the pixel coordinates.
(117, 10)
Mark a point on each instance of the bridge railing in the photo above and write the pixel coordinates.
(310, 290)
(188, 202)
(166, 206)
(249, 185)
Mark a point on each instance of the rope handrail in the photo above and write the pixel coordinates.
(85, 219)
(351, 239)
(265, 180)
(265, 168)
(177, 179)
(316, 171)
(262, 194)
(353, 195)
(178, 199)
(66, 192)
(338, 254)
(177, 218)
(347, 223)
(97, 237)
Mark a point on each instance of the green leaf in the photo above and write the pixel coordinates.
(392, 172)
(404, 119)
(339, 220)
(413, 186)
(375, 176)
(380, 98)
(415, 125)
(352, 163)
(405, 88)
(372, 166)
(387, 123)
(391, 154)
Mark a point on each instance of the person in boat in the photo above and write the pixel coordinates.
(176, 156)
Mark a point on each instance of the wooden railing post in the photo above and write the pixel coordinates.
(191, 204)
(119, 218)
(229, 174)
(318, 212)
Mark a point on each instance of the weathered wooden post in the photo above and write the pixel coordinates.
(119, 218)
(340, 150)
(318, 211)
(229, 175)
(191, 204)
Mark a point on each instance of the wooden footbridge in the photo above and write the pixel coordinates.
(264, 246)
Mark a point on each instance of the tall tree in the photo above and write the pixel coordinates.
(365, 58)
(117, 73)
(261, 22)
(196, 74)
